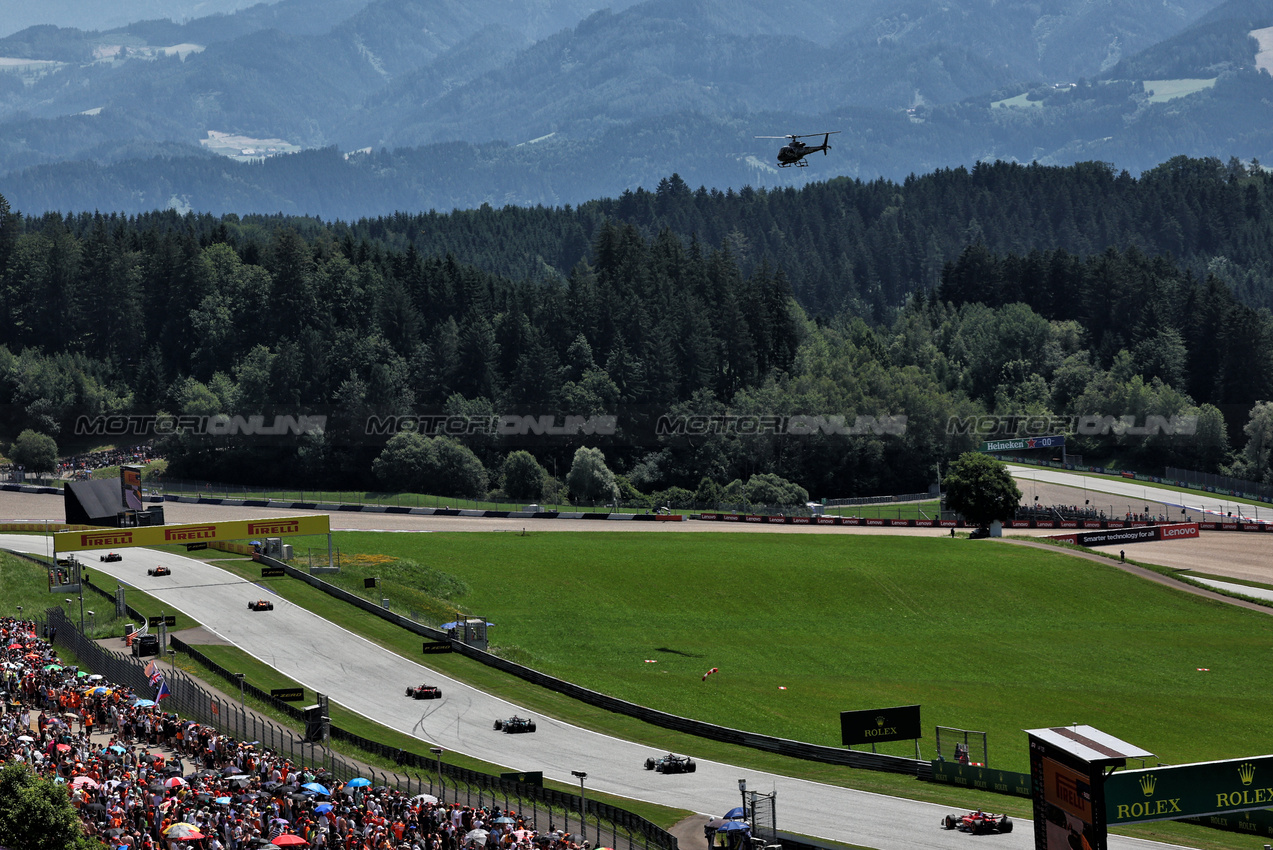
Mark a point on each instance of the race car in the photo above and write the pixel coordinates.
(260, 605)
(978, 823)
(112, 556)
(515, 724)
(160, 570)
(671, 764)
(425, 692)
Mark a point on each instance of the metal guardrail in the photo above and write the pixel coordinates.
(755, 740)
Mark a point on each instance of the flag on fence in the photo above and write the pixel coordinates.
(215, 709)
(151, 669)
(163, 690)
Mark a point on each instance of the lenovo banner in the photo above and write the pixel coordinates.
(1123, 536)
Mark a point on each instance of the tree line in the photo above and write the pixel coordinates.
(718, 350)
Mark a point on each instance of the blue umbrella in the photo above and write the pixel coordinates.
(323, 807)
(143, 703)
(224, 801)
(316, 788)
(733, 826)
(116, 748)
(734, 813)
(358, 782)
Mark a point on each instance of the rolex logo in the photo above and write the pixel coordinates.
(879, 721)
(1247, 773)
(1147, 783)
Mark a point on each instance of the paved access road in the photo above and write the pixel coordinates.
(1206, 506)
(370, 680)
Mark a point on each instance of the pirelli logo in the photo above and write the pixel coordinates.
(287, 526)
(95, 539)
(191, 532)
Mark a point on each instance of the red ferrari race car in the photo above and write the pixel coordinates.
(978, 823)
(425, 692)
(261, 605)
(159, 571)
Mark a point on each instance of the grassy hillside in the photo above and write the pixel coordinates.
(800, 627)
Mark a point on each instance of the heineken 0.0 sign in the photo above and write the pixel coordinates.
(1189, 790)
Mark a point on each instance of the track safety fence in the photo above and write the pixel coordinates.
(605, 825)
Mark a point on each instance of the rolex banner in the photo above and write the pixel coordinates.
(1189, 790)
(879, 724)
(208, 532)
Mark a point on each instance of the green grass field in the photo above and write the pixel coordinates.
(982, 635)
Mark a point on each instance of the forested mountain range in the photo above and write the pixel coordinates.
(556, 101)
(1004, 290)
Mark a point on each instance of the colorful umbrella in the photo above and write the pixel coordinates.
(82, 781)
(358, 782)
(317, 788)
(183, 832)
(287, 839)
(175, 782)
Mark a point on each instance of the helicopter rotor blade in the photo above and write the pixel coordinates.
(807, 135)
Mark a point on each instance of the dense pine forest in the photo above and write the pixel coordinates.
(880, 312)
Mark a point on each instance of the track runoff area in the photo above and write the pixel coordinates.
(1071, 800)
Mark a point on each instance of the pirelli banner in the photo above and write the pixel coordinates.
(207, 532)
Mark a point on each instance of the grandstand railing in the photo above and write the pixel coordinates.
(605, 824)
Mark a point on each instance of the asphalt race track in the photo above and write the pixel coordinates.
(370, 680)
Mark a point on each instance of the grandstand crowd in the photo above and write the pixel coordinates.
(82, 465)
(1081, 512)
(139, 776)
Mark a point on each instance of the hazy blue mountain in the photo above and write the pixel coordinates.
(17, 15)
(555, 101)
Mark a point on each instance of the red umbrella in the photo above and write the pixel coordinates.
(288, 839)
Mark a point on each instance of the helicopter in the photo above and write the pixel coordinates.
(795, 152)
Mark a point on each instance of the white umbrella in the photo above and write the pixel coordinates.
(424, 798)
(476, 835)
(26, 739)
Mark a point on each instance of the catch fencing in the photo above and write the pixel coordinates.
(420, 774)
(1223, 484)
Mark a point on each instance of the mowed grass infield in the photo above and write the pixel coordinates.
(981, 634)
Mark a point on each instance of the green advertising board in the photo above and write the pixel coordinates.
(983, 778)
(1020, 444)
(1189, 790)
